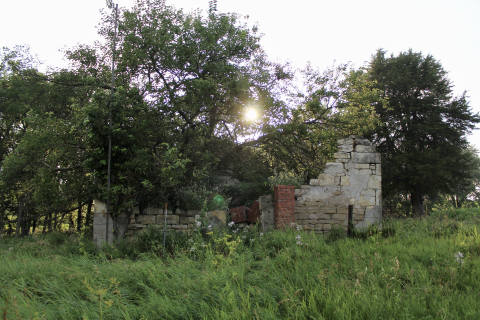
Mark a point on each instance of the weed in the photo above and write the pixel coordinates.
(407, 269)
(335, 234)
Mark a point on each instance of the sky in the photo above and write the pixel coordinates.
(300, 31)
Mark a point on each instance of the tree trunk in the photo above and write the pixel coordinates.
(416, 198)
(55, 221)
(47, 224)
(34, 225)
(453, 201)
(459, 202)
(10, 229)
(19, 217)
(26, 225)
(1, 222)
(2, 214)
(26, 222)
(71, 223)
(79, 217)
(88, 218)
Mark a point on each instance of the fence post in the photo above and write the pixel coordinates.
(350, 220)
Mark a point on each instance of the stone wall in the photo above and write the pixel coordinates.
(116, 227)
(354, 178)
(180, 220)
(267, 214)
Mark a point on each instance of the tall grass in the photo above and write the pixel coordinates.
(412, 273)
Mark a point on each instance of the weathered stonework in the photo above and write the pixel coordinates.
(267, 219)
(136, 222)
(354, 178)
(106, 229)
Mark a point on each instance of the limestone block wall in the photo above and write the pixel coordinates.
(354, 178)
(134, 222)
(105, 229)
(180, 220)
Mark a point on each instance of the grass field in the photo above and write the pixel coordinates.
(410, 269)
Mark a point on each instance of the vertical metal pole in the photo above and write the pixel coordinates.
(350, 220)
(165, 230)
(110, 124)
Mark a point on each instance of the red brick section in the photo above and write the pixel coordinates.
(239, 214)
(247, 213)
(254, 214)
(284, 206)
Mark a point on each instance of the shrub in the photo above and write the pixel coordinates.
(389, 228)
(150, 240)
(335, 234)
(364, 233)
(289, 178)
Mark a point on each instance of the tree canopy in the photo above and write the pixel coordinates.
(422, 133)
(182, 87)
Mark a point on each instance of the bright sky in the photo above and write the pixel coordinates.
(297, 31)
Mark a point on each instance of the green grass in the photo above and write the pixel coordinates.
(410, 273)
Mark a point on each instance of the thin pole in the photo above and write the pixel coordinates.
(110, 123)
(350, 220)
(165, 230)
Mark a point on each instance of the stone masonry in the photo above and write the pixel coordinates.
(354, 178)
(180, 220)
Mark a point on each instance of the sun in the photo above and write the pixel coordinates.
(251, 114)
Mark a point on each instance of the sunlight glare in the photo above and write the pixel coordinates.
(251, 114)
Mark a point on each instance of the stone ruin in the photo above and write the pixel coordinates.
(353, 179)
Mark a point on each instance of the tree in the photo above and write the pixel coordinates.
(333, 104)
(17, 97)
(422, 132)
(43, 165)
(466, 191)
(188, 77)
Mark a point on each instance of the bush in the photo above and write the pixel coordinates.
(150, 240)
(364, 233)
(202, 197)
(288, 178)
(459, 214)
(57, 238)
(335, 234)
(389, 228)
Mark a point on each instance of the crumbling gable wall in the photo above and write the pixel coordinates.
(354, 178)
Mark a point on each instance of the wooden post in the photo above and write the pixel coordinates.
(350, 220)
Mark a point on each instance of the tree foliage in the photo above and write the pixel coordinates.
(331, 105)
(422, 133)
(182, 86)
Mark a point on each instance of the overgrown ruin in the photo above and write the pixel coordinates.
(353, 179)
